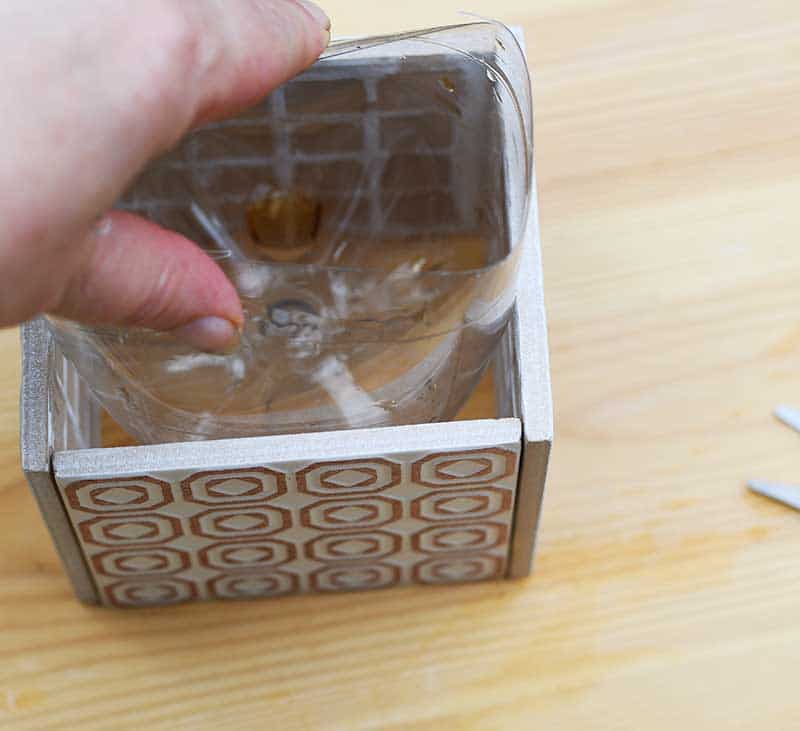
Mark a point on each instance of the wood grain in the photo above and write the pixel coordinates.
(665, 595)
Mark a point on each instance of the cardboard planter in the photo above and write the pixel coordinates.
(432, 503)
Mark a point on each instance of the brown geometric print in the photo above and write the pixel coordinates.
(141, 562)
(129, 531)
(462, 505)
(253, 585)
(255, 485)
(349, 477)
(155, 592)
(283, 528)
(355, 577)
(458, 569)
(241, 524)
(460, 537)
(353, 546)
(331, 515)
(250, 556)
(478, 467)
(116, 496)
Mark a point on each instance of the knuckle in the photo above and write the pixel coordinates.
(173, 48)
(175, 32)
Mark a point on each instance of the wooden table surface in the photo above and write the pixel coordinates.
(665, 596)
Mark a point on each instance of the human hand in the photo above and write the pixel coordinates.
(90, 91)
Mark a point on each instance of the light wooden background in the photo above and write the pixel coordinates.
(668, 146)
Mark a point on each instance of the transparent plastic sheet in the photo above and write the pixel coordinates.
(369, 213)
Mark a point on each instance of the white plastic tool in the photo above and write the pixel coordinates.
(788, 495)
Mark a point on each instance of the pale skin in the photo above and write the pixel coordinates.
(90, 91)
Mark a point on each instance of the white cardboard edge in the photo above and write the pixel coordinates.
(536, 398)
(531, 332)
(233, 453)
(35, 447)
(534, 389)
(34, 419)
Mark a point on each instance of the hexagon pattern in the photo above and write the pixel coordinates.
(468, 468)
(130, 494)
(141, 562)
(246, 557)
(345, 479)
(255, 485)
(277, 529)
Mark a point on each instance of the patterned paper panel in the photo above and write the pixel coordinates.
(279, 529)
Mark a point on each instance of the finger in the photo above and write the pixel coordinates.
(172, 65)
(249, 47)
(166, 67)
(131, 272)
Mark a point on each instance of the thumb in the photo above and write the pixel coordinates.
(133, 273)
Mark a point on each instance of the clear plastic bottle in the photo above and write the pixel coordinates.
(368, 213)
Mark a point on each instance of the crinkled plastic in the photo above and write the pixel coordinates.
(370, 214)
